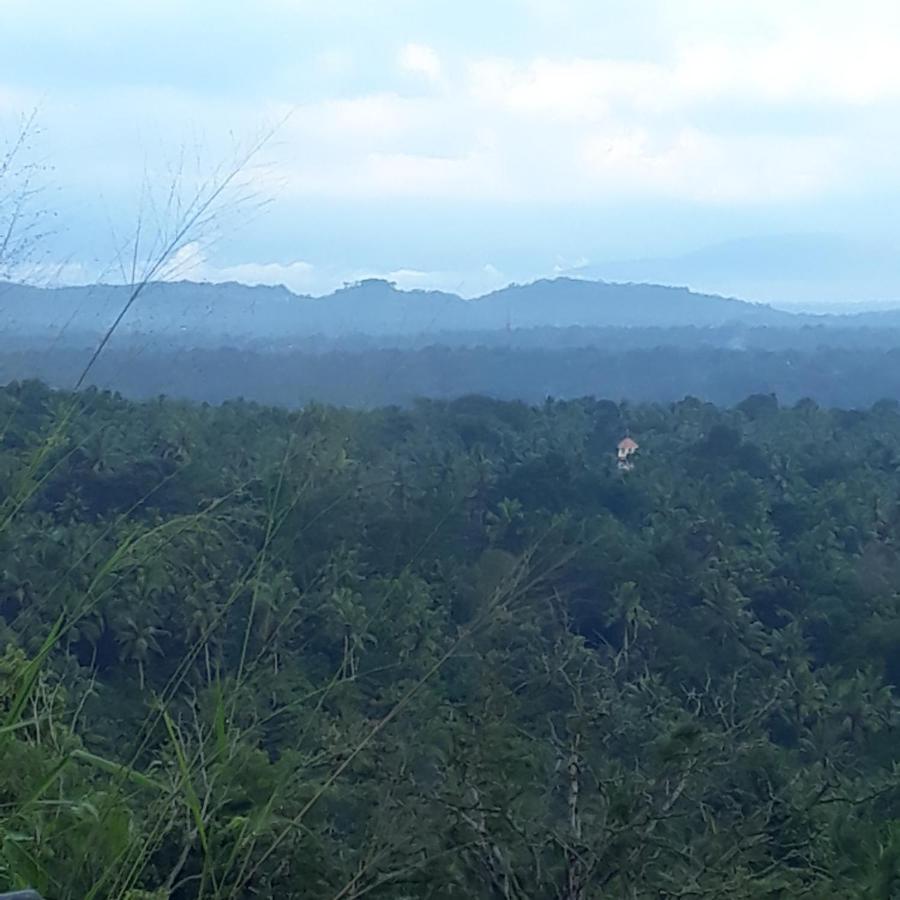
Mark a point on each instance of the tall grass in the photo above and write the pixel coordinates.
(184, 219)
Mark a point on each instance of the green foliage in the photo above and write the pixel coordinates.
(448, 652)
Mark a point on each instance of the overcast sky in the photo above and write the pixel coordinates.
(462, 144)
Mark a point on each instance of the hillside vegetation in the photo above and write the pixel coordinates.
(449, 651)
(849, 378)
(370, 345)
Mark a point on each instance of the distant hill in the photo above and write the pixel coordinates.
(812, 270)
(210, 313)
(564, 302)
(370, 344)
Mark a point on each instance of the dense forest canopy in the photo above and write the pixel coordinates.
(848, 377)
(448, 651)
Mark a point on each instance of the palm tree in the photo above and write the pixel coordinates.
(137, 641)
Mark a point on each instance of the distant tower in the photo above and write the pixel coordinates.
(625, 453)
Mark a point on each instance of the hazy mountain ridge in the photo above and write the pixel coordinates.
(370, 343)
(374, 307)
(549, 313)
(815, 271)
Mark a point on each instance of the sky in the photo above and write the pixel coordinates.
(463, 145)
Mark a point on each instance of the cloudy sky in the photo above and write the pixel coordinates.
(462, 144)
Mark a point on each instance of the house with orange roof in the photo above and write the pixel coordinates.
(625, 453)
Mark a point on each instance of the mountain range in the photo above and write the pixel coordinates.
(370, 343)
(206, 314)
(210, 313)
(809, 271)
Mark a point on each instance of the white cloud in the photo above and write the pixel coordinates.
(560, 130)
(395, 175)
(369, 115)
(554, 130)
(852, 68)
(52, 274)
(855, 67)
(580, 88)
(420, 59)
(468, 283)
(699, 103)
(417, 175)
(698, 166)
(190, 262)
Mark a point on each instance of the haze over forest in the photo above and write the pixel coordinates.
(370, 343)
